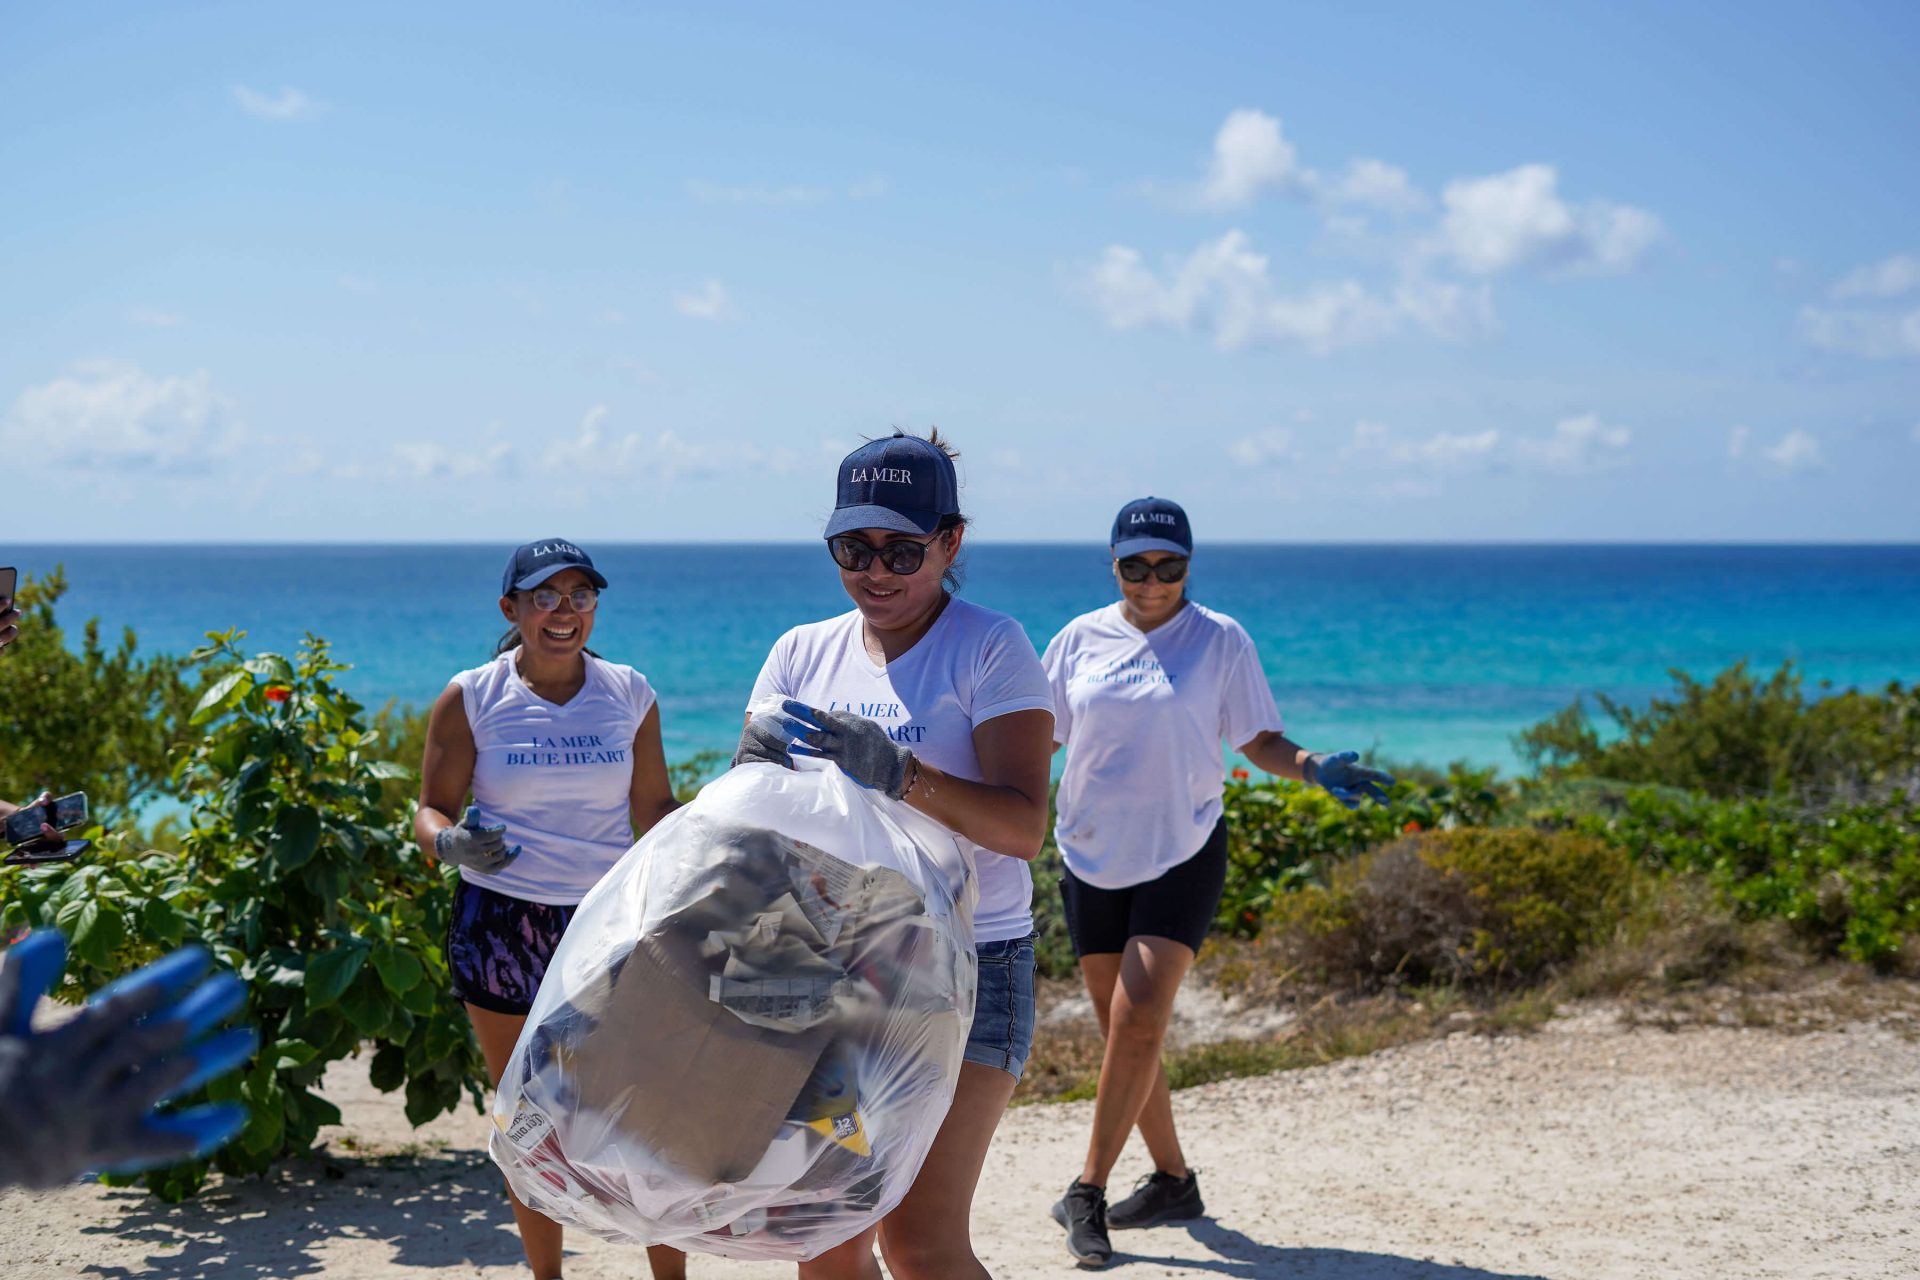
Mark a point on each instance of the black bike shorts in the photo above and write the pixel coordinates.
(1180, 904)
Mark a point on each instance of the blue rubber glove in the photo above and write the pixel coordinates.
(82, 1095)
(469, 844)
(858, 745)
(1345, 780)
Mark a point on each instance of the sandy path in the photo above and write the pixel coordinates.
(1584, 1151)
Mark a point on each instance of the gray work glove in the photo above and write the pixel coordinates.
(82, 1095)
(858, 745)
(484, 849)
(768, 736)
(1345, 780)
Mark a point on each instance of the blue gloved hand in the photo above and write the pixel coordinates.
(858, 745)
(82, 1095)
(1345, 780)
(468, 844)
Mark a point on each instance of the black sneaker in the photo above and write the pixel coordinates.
(1083, 1212)
(1160, 1197)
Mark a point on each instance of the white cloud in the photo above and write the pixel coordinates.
(871, 187)
(1577, 446)
(709, 302)
(1876, 335)
(1378, 185)
(109, 415)
(1448, 451)
(773, 197)
(597, 455)
(431, 460)
(148, 318)
(1794, 452)
(1737, 441)
(1250, 153)
(1264, 449)
(1888, 278)
(1223, 287)
(1517, 219)
(289, 104)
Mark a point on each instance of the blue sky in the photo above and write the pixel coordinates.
(1326, 273)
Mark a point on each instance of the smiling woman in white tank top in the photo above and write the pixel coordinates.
(560, 751)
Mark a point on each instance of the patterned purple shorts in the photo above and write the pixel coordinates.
(498, 947)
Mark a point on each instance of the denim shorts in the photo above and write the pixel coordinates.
(1002, 1034)
(498, 947)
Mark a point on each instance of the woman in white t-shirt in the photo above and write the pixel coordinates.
(1145, 690)
(561, 753)
(942, 704)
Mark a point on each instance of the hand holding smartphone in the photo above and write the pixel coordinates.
(25, 830)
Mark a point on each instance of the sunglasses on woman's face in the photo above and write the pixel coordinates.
(583, 599)
(1134, 569)
(903, 556)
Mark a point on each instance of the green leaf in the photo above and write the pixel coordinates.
(226, 691)
(270, 666)
(389, 1068)
(400, 970)
(331, 972)
(161, 922)
(389, 770)
(296, 834)
(367, 1006)
(292, 1053)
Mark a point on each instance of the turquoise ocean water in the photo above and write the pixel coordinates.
(1425, 653)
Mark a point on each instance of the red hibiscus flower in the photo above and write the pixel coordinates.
(277, 693)
(1241, 775)
(1411, 826)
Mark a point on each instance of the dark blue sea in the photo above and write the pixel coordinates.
(1433, 653)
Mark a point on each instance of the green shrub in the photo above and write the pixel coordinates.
(102, 720)
(300, 874)
(1845, 878)
(1472, 907)
(1738, 735)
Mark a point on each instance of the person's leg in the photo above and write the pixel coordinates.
(1100, 973)
(1141, 1005)
(853, 1260)
(929, 1235)
(540, 1235)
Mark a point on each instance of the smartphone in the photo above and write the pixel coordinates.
(66, 813)
(9, 581)
(51, 851)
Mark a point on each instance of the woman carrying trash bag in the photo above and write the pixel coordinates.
(1145, 690)
(561, 752)
(942, 704)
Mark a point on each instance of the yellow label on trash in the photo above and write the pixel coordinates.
(845, 1131)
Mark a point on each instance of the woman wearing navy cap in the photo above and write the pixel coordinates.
(1145, 690)
(940, 703)
(561, 753)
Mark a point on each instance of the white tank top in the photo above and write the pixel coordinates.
(559, 777)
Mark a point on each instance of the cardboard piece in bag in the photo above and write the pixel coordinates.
(701, 1089)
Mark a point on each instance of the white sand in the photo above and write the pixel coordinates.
(1581, 1152)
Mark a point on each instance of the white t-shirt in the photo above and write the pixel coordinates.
(972, 666)
(559, 777)
(1142, 715)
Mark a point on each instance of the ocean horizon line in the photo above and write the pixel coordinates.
(981, 541)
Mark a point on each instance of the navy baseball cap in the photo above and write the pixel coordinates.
(1151, 524)
(901, 483)
(533, 564)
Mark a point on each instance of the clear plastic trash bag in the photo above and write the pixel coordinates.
(752, 1029)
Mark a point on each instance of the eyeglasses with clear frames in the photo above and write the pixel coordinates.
(583, 599)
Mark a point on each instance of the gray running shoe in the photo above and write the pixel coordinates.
(1159, 1197)
(1083, 1212)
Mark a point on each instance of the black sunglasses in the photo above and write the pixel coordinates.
(1134, 569)
(903, 556)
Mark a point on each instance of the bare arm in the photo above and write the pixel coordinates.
(1006, 810)
(651, 795)
(446, 770)
(1278, 755)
